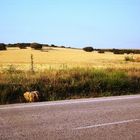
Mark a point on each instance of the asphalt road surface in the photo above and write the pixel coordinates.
(110, 118)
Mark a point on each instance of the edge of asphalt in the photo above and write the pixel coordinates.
(71, 101)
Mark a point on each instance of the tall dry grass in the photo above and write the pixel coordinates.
(68, 83)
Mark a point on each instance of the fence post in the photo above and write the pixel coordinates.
(32, 63)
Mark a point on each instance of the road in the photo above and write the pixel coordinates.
(108, 118)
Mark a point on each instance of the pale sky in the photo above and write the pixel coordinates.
(75, 23)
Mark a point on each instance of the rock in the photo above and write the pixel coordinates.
(32, 96)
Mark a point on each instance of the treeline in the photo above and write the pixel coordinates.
(37, 46)
(115, 51)
(123, 51)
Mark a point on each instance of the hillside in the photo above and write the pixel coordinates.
(62, 58)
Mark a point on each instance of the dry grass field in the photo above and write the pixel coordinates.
(62, 73)
(57, 58)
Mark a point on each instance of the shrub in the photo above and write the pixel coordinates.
(2, 46)
(36, 46)
(137, 59)
(88, 49)
(62, 47)
(101, 51)
(129, 58)
(122, 51)
(45, 45)
(117, 51)
(52, 45)
(10, 45)
(21, 45)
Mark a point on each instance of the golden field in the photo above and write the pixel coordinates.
(64, 73)
(57, 58)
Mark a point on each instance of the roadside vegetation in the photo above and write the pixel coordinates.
(68, 83)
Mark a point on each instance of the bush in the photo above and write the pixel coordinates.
(22, 45)
(101, 51)
(129, 58)
(52, 45)
(88, 49)
(36, 46)
(137, 59)
(127, 51)
(117, 51)
(62, 47)
(2, 46)
(10, 45)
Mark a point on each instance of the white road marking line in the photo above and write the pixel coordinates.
(67, 102)
(106, 124)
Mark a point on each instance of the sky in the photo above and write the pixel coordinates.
(74, 23)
